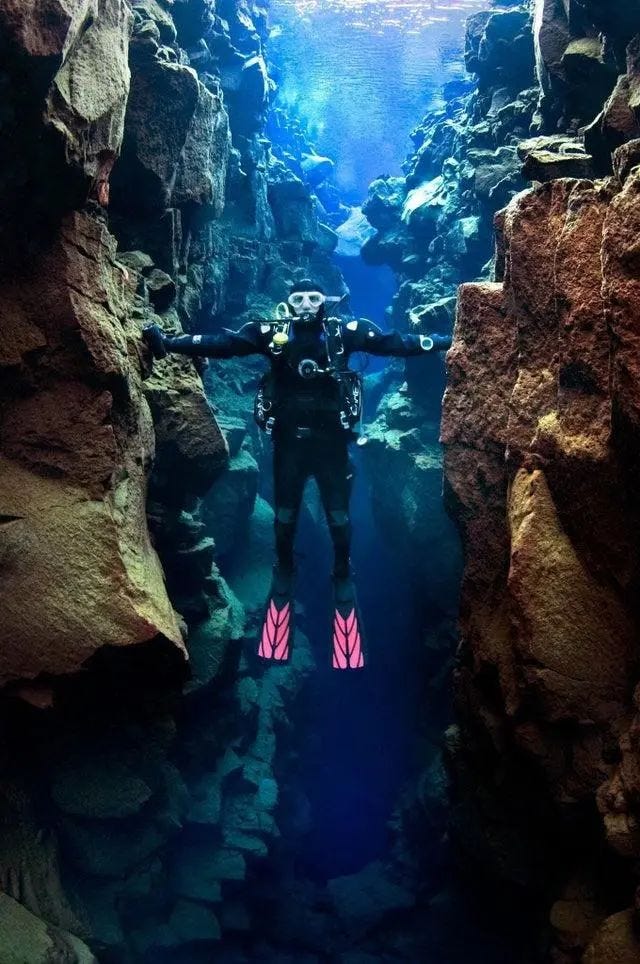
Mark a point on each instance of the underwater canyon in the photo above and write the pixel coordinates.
(450, 168)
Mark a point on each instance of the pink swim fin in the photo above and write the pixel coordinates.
(347, 636)
(276, 635)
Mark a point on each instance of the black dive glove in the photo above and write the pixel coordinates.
(154, 337)
(435, 342)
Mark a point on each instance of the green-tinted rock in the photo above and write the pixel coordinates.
(248, 844)
(151, 10)
(97, 902)
(25, 939)
(229, 865)
(234, 916)
(247, 694)
(209, 643)
(268, 794)
(243, 813)
(195, 874)
(206, 803)
(250, 564)
(230, 501)
(194, 923)
(100, 787)
(362, 900)
(109, 849)
(161, 288)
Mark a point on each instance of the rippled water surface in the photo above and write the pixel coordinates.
(362, 74)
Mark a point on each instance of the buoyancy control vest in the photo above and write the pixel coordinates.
(306, 385)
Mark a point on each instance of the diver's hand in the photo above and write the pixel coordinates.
(435, 342)
(153, 337)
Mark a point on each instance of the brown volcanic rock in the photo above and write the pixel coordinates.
(86, 107)
(202, 172)
(615, 942)
(186, 429)
(536, 477)
(625, 159)
(45, 28)
(621, 287)
(81, 99)
(481, 364)
(77, 442)
(474, 429)
(575, 438)
(163, 105)
(583, 402)
(533, 224)
(573, 637)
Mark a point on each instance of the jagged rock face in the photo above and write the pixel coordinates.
(540, 430)
(76, 431)
(133, 823)
(64, 122)
(27, 940)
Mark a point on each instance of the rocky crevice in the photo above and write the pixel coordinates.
(539, 433)
(539, 429)
(142, 192)
(150, 193)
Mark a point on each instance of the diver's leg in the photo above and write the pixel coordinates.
(334, 475)
(276, 634)
(289, 474)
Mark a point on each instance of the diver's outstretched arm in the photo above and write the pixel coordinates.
(223, 344)
(365, 336)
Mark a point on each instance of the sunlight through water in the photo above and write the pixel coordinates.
(361, 74)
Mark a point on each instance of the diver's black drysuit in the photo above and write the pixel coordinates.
(306, 414)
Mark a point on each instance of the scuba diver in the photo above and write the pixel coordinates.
(309, 403)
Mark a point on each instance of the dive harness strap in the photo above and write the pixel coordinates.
(349, 406)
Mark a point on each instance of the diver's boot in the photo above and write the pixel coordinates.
(276, 635)
(347, 638)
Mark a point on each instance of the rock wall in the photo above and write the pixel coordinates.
(79, 572)
(540, 434)
(142, 189)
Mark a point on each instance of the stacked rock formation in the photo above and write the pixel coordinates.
(141, 189)
(79, 572)
(540, 434)
(540, 430)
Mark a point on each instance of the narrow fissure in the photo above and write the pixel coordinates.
(192, 189)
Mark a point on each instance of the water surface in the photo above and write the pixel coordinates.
(362, 73)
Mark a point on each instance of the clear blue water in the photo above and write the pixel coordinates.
(362, 73)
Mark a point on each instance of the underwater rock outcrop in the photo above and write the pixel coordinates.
(540, 433)
(540, 429)
(140, 793)
(77, 443)
(79, 571)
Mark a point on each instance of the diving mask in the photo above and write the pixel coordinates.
(306, 302)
